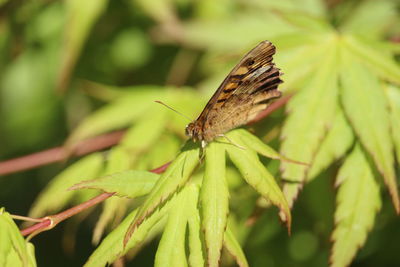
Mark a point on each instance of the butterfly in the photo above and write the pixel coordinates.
(247, 90)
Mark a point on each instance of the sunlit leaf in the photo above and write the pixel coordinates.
(309, 7)
(301, 61)
(289, 44)
(129, 183)
(393, 94)
(56, 195)
(196, 257)
(254, 143)
(112, 247)
(14, 250)
(146, 132)
(214, 202)
(165, 149)
(120, 113)
(114, 116)
(113, 210)
(31, 254)
(6, 246)
(358, 202)
(255, 174)
(170, 181)
(365, 105)
(311, 112)
(339, 139)
(305, 21)
(377, 59)
(220, 35)
(234, 248)
(371, 18)
(171, 249)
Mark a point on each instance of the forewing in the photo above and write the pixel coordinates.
(244, 93)
(258, 57)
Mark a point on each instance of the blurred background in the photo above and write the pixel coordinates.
(62, 60)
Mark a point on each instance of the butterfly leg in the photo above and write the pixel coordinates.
(230, 141)
(201, 155)
(203, 144)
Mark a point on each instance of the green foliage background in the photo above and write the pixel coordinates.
(72, 70)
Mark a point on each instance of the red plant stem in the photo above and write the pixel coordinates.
(59, 154)
(50, 222)
(83, 206)
(274, 106)
(36, 227)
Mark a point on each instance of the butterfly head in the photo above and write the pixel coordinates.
(193, 131)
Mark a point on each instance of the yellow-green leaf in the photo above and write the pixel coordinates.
(256, 175)
(14, 250)
(253, 142)
(115, 207)
(170, 181)
(112, 247)
(147, 131)
(358, 201)
(171, 249)
(131, 183)
(234, 248)
(365, 105)
(338, 140)
(113, 211)
(215, 202)
(305, 21)
(378, 60)
(120, 113)
(303, 60)
(311, 112)
(56, 195)
(118, 159)
(393, 94)
(196, 257)
(370, 18)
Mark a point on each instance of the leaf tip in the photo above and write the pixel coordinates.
(75, 187)
(394, 193)
(396, 201)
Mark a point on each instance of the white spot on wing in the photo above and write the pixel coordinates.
(260, 71)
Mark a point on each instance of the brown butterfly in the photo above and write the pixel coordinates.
(247, 90)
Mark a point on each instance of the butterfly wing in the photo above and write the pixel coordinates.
(246, 91)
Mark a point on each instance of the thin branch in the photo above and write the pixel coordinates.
(274, 106)
(49, 222)
(39, 227)
(59, 154)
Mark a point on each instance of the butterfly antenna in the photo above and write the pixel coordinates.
(183, 115)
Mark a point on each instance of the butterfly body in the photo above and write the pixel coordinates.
(247, 90)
